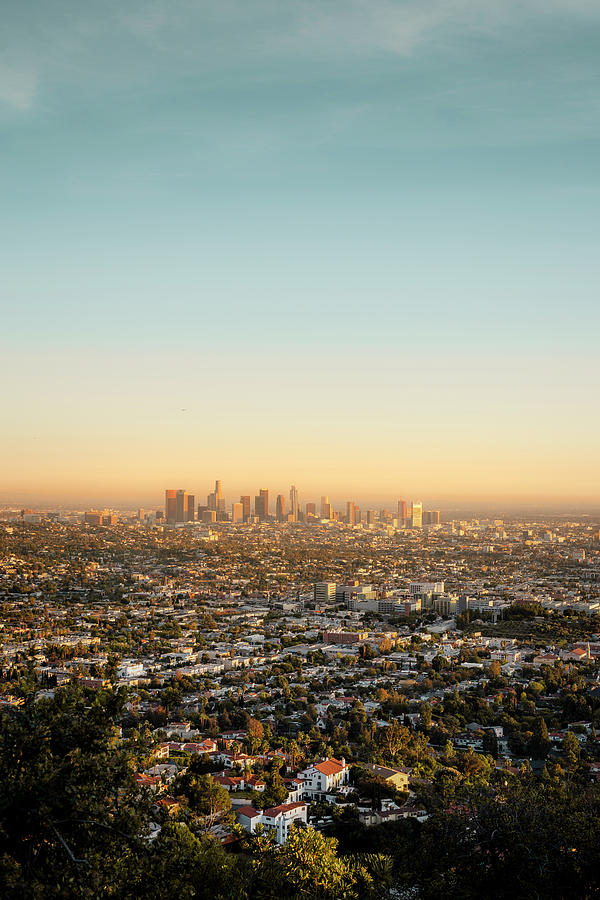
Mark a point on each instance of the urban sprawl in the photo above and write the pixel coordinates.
(351, 675)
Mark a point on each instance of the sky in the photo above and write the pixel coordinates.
(350, 245)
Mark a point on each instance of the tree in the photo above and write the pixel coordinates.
(275, 792)
(206, 798)
(425, 711)
(308, 866)
(498, 844)
(439, 662)
(69, 806)
(540, 743)
(571, 751)
(255, 734)
(393, 738)
(179, 864)
(495, 670)
(490, 743)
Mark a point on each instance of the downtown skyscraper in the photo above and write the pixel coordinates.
(294, 503)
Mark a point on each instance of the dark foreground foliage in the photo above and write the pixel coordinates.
(73, 824)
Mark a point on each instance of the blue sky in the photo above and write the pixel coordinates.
(406, 190)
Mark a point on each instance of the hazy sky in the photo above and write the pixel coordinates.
(353, 245)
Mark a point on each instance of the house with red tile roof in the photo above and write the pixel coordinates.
(279, 818)
(255, 783)
(230, 782)
(324, 777)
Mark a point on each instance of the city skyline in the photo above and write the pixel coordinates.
(396, 202)
(188, 502)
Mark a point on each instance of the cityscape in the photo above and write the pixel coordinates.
(299, 464)
(312, 680)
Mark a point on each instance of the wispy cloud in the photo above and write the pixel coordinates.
(144, 42)
(401, 26)
(18, 87)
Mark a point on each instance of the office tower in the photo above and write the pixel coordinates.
(357, 515)
(280, 509)
(215, 499)
(402, 511)
(311, 509)
(416, 514)
(171, 507)
(324, 592)
(140, 514)
(181, 506)
(325, 507)
(259, 510)
(371, 516)
(434, 516)
(190, 508)
(209, 515)
(220, 500)
(237, 512)
(264, 503)
(350, 513)
(245, 501)
(294, 504)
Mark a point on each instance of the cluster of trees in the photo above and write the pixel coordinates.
(73, 823)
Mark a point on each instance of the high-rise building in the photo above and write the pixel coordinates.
(294, 503)
(371, 517)
(280, 513)
(263, 506)
(350, 513)
(416, 514)
(237, 512)
(325, 507)
(215, 499)
(245, 501)
(402, 511)
(324, 592)
(311, 509)
(190, 508)
(171, 506)
(181, 506)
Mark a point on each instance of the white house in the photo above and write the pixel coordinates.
(277, 817)
(324, 777)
